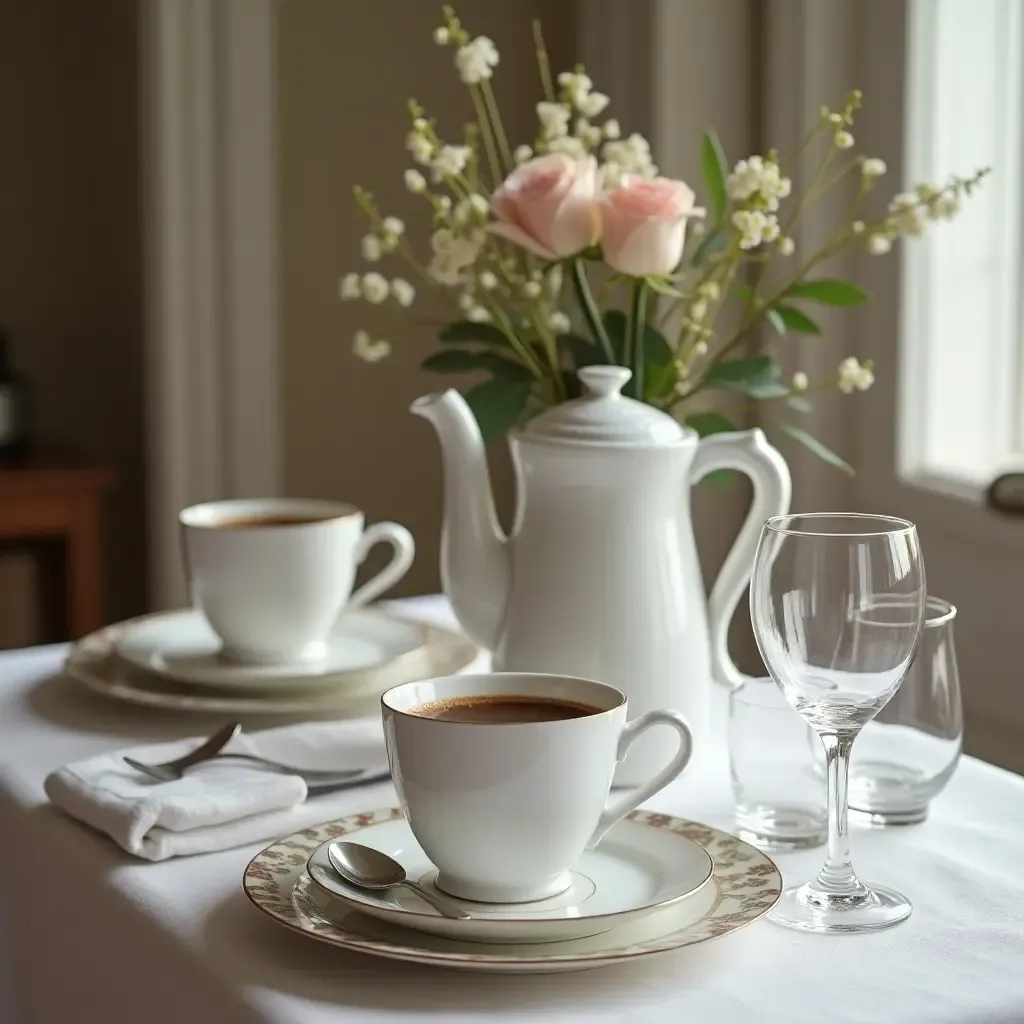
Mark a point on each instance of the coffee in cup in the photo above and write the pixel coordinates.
(505, 778)
(273, 575)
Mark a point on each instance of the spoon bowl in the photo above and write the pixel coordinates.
(368, 868)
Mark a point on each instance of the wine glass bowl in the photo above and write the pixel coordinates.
(814, 578)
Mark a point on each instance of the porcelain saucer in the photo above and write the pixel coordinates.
(182, 647)
(633, 872)
(744, 886)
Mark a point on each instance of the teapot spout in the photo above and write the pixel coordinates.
(474, 551)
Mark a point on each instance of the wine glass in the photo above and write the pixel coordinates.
(813, 577)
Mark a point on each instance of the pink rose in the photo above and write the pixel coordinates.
(644, 225)
(549, 205)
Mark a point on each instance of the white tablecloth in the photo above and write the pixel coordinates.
(89, 935)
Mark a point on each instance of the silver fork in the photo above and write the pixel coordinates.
(212, 750)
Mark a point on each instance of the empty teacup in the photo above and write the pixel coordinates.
(505, 778)
(272, 575)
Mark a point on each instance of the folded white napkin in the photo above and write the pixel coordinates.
(218, 805)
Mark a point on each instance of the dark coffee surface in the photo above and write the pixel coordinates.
(504, 710)
(257, 522)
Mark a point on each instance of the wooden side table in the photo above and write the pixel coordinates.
(57, 497)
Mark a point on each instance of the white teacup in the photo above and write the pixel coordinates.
(272, 575)
(503, 809)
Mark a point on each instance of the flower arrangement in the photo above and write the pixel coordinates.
(522, 234)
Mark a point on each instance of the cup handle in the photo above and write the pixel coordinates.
(633, 799)
(405, 548)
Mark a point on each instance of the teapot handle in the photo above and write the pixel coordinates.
(749, 452)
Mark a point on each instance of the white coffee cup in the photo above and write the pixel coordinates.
(273, 575)
(504, 810)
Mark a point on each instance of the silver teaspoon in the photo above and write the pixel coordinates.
(371, 869)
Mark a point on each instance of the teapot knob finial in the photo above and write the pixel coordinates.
(604, 381)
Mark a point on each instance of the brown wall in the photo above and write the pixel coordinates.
(70, 274)
(346, 71)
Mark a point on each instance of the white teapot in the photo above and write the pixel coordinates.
(599, 576)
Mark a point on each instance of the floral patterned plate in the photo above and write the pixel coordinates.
(745, 885)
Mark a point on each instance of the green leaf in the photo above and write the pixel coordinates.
(720, 478)
(830, 291)
(659, 373)
(756, 376)
(469, 330)
(793, 319)
(662, 287)
(456, 360)
(497, 405)
(799, 404)
(714, 242)
(708, 423)
(714, 170)
(585, 352)
(744, 292)
(812, 444)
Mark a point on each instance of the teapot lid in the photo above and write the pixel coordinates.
(603, 415)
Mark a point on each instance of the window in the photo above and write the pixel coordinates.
(961, 408)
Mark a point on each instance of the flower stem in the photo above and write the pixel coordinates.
(543, 64)
(590, 311)
(499, 129)
(486, 134)
(637, 328)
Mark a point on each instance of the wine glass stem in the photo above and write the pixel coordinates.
(837, 876)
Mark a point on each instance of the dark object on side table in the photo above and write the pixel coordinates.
(14, 407)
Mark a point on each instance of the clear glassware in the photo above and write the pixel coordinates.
(908, 752)
(778, 793)
(814, 575)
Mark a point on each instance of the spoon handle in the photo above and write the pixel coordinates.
(444, 906)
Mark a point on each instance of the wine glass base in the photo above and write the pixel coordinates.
(886, 819)
(808, 909)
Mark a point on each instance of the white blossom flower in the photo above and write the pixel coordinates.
(364, 347)
(371, 248)
(451, 160)
(576, 85)
(466, 301)
(854, 376)
(442, 36)
(554, 119)
(631, 156)
(858, 227)
(569, 146)
(587, 133)
(592, 104)
(755, 227)
(758, 177)
(945, 207)
(611, 129)
(908, 218)
(351, 287)
(375, 287)
(786, 246)
(478, 315)
(710, 290)
(442, 203)
(420, 146)
(414, 181)
(452, 254)
(393, 226)
(879, 245)
(701, 348)
(699, 309)
(532, 289)
(799, 382)
(476, 60)
(402, 292)
(559, 323)
(522, 154)
(843, 140)
(873, 167)
(487, 281)
(420, 124)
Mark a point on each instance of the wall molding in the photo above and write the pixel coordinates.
(208, 87)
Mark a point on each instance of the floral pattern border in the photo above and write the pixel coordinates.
(748, 886)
